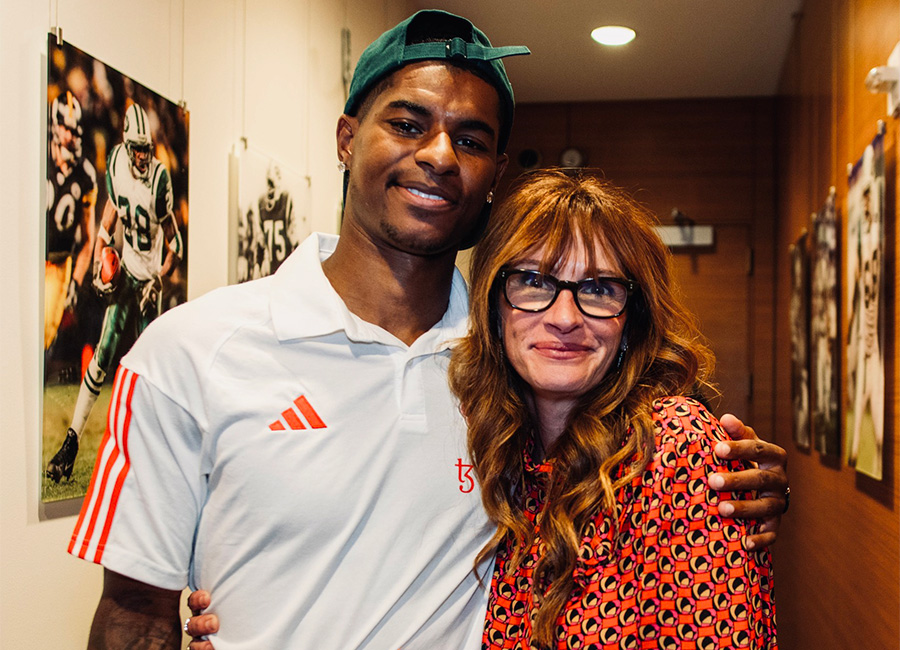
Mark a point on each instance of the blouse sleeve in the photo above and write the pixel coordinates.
(699, 584)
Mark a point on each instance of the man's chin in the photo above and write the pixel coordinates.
(423, 244)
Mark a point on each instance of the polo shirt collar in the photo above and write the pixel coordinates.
(305, 305)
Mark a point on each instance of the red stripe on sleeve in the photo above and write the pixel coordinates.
(111, 424)
(86, 504)
(93, 507)
(117, 490)
(94, 498)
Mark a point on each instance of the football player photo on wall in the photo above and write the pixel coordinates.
(270, 205)
(116, 219)
(864, 280)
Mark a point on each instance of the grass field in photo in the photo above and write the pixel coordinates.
(59, 403)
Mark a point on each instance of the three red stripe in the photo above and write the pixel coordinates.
(117, 438)
(293, 420)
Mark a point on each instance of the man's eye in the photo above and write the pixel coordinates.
(471, 143)
(404, 127)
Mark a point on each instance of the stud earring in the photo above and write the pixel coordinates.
(490, 197)
(342, 166)
(622, 350)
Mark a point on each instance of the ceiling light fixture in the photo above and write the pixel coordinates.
(613, 35)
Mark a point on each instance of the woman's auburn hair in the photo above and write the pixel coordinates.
(610, 432)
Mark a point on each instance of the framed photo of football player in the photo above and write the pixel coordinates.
(824, 331)
(799, 315)
(116, 246)
(864, 279)
(270, 203)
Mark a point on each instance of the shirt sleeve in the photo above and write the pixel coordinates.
(703, 586)
(142, 507)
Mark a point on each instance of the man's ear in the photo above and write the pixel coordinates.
(346, 130)
(502, 162)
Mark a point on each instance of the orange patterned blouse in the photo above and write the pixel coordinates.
(677, 576)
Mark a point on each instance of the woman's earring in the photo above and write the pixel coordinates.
(342, 166)
(490, 197)
(621, 358)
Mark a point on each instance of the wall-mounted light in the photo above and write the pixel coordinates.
(886, 79)
(685, 233)
(613, 35)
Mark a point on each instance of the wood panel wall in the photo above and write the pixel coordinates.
(837, 570)
(713, 159)
(769, 163)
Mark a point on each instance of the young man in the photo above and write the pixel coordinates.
(291, 444)
(140, 196)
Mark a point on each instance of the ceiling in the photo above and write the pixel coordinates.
(684, 48)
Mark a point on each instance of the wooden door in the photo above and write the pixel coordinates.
(716, 287)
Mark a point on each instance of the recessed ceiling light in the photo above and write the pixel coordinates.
(613, 35)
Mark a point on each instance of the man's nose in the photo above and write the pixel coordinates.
(438, 153)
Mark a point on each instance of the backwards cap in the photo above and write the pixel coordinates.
(449, 38)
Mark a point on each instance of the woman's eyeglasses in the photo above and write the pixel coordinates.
(533, 291)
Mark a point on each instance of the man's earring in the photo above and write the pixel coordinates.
(342, 166)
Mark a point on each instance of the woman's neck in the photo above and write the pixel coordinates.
(552, 418)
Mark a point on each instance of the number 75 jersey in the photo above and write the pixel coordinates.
(142, 205)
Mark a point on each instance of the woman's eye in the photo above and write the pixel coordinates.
(534, 280)
(597, 288)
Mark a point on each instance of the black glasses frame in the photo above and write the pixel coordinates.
(573, 286)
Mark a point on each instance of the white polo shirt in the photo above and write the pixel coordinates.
(306, 467)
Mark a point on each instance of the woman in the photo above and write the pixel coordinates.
(592, 461)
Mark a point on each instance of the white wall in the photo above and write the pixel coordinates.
(286, 104)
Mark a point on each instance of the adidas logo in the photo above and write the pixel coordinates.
(293, 417)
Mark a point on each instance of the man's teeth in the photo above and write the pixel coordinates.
(425, 195)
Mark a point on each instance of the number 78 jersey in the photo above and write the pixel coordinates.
(142, 205)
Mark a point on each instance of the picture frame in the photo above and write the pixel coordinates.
(799, 322)
(132, 198)
(270, 206)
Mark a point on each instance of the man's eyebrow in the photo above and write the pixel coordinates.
(422, 111)
(412, 107)
(479, 125)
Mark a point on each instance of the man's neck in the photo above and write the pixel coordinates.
(403, 294)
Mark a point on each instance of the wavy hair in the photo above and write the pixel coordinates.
(609, 438)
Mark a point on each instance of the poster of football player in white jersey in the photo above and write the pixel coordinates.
(272, 215)
(865, 312)
(116, 243)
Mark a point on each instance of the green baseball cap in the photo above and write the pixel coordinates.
(439, 35)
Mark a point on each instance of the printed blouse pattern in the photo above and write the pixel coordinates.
(677, 576)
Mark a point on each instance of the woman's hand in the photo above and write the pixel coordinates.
(200, 624)
(768, 479)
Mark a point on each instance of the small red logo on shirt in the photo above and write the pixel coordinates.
(464, 471)
(293, 418)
